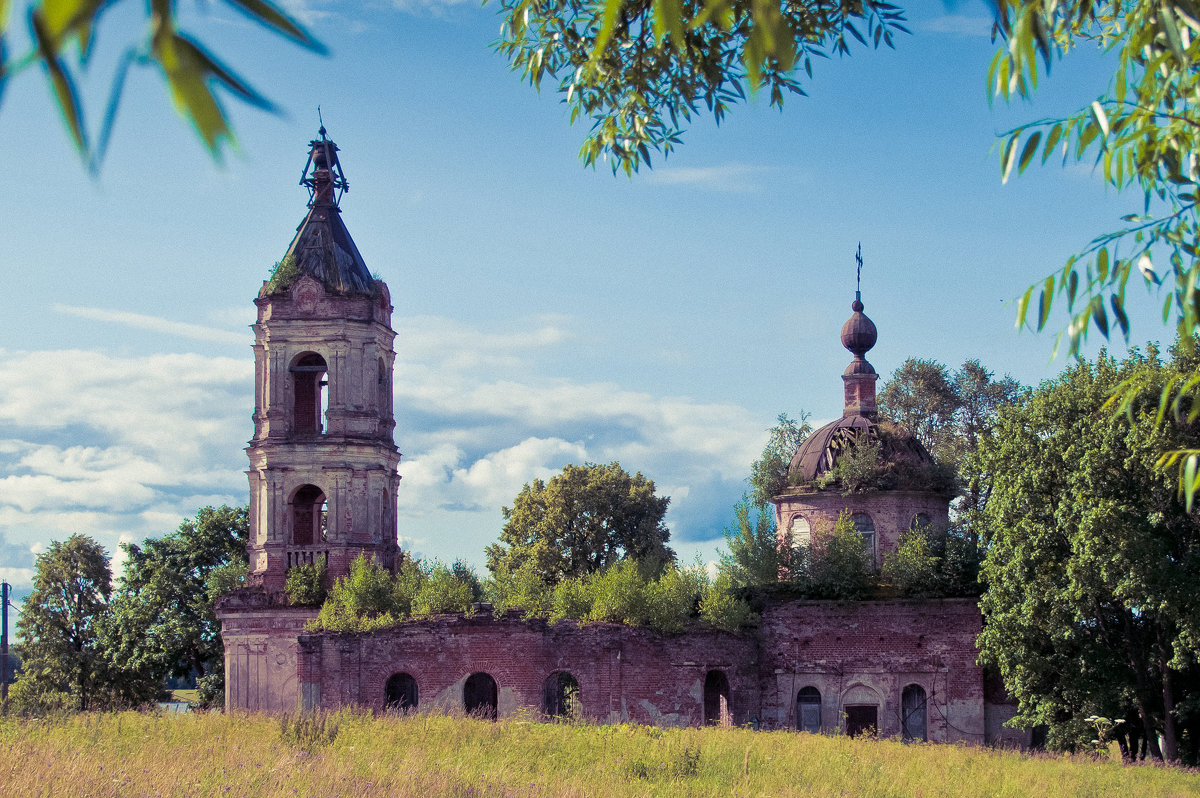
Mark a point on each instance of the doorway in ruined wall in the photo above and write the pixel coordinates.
(716, 700)
(400, 693)
(479, 696)
(560, 697)
(862, 720)
(913, 714)
(808, 710)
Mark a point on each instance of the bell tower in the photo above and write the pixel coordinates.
(323, 460)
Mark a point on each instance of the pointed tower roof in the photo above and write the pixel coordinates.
(323, 248)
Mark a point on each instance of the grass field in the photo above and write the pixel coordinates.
(427, 756)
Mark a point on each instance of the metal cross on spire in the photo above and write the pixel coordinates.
(858, 274)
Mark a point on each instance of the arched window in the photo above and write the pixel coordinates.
(866, 528)
(913, 713)
(799, 531)
(400, 692)
(383, 387)
(308, 396)
(716, 699)
(920, 521)
(309, 516)
(560, 696)
(808, 710)
(479, 696)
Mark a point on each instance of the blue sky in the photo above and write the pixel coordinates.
(546, 313)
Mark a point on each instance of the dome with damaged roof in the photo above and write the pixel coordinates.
(902, 462)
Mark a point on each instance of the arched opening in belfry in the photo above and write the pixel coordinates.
(560, 696)
(310, 517)
(400, 692)
(479, 696)
(310, 400)
(716, 699)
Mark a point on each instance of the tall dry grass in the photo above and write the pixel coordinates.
(428, 756)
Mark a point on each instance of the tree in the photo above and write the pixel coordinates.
(949, 413)
(1092, 560)
(582, 521)
(769, 473)
(1144, 134)
(635, 69)
(62, 662)
(754, 556)
(162, 619)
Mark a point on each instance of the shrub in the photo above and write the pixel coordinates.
(522, 589)
(721, 608)
(839, 565)
(306, 583)
(362, 601)
(442, 591)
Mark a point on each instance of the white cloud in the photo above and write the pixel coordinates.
(733, 177)
(139, 321)
(123, 448)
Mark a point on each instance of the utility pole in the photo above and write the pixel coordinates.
(4, 589)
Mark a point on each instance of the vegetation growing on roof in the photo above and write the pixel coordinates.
(283, 274)
(886, 458)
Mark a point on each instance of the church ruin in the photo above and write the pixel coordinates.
(323, 482)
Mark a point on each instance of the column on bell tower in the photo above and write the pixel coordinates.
(323, 463)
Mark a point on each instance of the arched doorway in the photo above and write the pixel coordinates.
(808, 710)
(716, 699)
(560, 696)
(913, 714)
(400, 692)
(479, 696)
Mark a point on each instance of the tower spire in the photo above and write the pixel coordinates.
(858, 336)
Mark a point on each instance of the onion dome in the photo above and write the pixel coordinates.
(323, 248)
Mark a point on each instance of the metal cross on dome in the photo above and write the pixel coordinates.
(858, 274)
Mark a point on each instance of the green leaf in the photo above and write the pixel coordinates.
(1100, 117)
(60, 82)
(1008, 158)
(1023, 306)
(1028, 151)
(1045, 300)
(269, 15)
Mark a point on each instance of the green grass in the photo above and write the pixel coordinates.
(361, 756)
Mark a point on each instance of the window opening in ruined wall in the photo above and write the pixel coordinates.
(310, 517)
(310, 400)
(716, 700)
(400, 692)
(913, 715)
(808, 710)
(560, 697)
(799, 531)
(479, 696)
(384, 399)
(866, 528)
(920, 520)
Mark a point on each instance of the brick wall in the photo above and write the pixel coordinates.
(866, 653)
